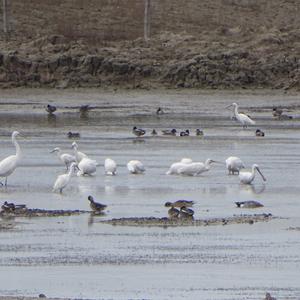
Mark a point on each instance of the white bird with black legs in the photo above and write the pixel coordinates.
(242, 118)
(234, 164)
(110, 166)
(173, 170)
(78, 155)
(66, 158)
(10, 163)
(248, 177)
(196, 168)
(63, 180)
(135, 167)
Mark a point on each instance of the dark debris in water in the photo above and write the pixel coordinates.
(165, 222)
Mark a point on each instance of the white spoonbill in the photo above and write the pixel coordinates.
(86, 166)
(110, 166)
(66, 158)
(248, 177)
(135, 167)
(173, 170)
(234, 164)
(63, 180)
(78, 155)
(10, 163)
(242, 118)
(196, 168)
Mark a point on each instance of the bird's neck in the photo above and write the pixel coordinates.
(18, 149)
(236, 112)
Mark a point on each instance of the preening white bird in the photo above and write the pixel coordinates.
(78, 155)
(248, 177)
(63, 180)
(234, 164)
(110, 166)
(86, 166)
(66, 158)
(135, 167)
(10, 163)
(173, 170)
(242, 118)
(196, 168)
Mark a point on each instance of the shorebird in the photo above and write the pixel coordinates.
(234, 164)
(95, 206)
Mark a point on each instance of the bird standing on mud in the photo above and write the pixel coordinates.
(95, 206)
(186, 213)
(180, 203)
(242, 118)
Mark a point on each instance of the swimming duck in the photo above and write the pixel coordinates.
(277, 112)
(185, 133)
(248, 204)
(199, 132)
(159, 111)
(180, 203)
(153, 132)
(138, 131)
(169, 132)
(173, 213)
(258, 132)
(186, 213)
(50, 108)
(71, 135)
(95, 206)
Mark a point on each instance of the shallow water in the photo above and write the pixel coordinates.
(79, 257)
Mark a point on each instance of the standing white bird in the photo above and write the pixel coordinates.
(110, 166)
(10, 163)
(196, 168)
(66, 158)
(78, 155)
(173, 170)
(86, 166)
(242, 118)
(234, 164)
(248, 177)
(135, 167)
(63, 180)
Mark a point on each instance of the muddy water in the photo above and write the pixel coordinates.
(79, 257)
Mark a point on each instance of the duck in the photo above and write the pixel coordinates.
(169, 132)
(63, 180)
(186, 213)
(135, 167)
(259, 133)
(173, 213)
(234, 164)
(160, 111)
(199, 132)
(180, 203)
(277, 112)
(185, 133)
(138, 131)
(95, 206)
(50, 109)
(242, 118)
(66, 158)
(8, 207)
(72, 135)
(153, 132)
(84, 108)
(248, 204)
(248, 177)
(110, 166)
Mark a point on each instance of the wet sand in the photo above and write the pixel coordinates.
(82, 257)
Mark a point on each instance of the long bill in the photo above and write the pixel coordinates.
(262, 176)
(228, 106)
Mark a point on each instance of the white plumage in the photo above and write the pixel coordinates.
(78, 155)
(173, 170)
(195, 168)
(10, 163)
(86, 166)
(242, 118)
(66, 158)
(63, 180)
(110, 166)
(248, 177)
(135, 167)
(234, 164)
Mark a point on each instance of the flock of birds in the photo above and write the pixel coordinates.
(80, 163)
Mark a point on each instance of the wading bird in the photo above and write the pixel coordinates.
(63, 180)
(86, 166)
(196, 168)
(173, 170)
(110, 166)
(234, 164)
(10, 163)
(135, 167)
(248, 177)
(78, 155)
(242, 118)
(66, 158)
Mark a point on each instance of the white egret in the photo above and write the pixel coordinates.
(248, 177)
(78, 155)
(10, 163)
(63, 180)
(66, 158)
(135, 167)
(110, 166)
(86, 166)
(242, 118)
(195, 168)
(234, 164)
(173, 170)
